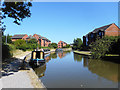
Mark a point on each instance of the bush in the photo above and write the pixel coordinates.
(6, 51)
(20, 44)
(104, 46)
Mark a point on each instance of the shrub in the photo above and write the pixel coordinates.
(103, 46)
(21, 44)
(6, 51)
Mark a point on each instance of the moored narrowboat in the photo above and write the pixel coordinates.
(37, 57)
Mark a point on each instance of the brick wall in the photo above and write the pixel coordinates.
(24, 38)
(113, 30)
(61, 44)
(14, 39)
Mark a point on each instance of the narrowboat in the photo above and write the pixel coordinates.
(37, 58)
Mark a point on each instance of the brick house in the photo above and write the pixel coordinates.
(19, 36)
(108, 30)
(43, 41)
(30, 37)
(61, 44)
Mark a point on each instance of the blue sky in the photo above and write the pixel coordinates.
(65, 20)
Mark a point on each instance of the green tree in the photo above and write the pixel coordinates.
(77, 43)
(32, 44)
(21, 44)
(16, 10)
(32, 41)
(8, 39)
(53, 45)
(103, 46)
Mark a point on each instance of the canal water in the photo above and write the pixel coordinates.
(69, 70)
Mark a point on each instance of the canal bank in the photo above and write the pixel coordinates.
(14, 75)
(83, 53)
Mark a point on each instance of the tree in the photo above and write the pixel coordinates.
(77, 43)
(8, 39)
(19, 42)
(53, 45)
(32, 44)
(16, 10)
(32, 41)
(105, 45)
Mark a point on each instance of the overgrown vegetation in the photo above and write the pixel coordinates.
(105, 45)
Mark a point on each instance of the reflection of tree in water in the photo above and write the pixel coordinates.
(77, 57)
(54, 55)
(102, 68)
(40, 71)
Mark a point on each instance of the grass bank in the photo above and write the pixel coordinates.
(83, 52)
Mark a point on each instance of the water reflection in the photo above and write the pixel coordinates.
(91, 73)
(53, 55)
(40, 71)
(62, 54)
(77, 57)
(102, 68)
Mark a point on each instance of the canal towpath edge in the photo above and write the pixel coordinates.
(21, 78)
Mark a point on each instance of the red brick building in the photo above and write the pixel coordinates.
(61, 44)
(30, 37)
(44, 42)
(19, 36)
(108, 30)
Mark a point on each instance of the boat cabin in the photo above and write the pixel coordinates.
(37, 57)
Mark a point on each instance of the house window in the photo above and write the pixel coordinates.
(100, 33)
(91, 35)
(44, 42)
(86, 41)
(40, 42)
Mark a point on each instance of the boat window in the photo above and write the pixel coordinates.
(38, 55)
(34, 55)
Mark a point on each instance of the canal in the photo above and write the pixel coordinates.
(69, 70)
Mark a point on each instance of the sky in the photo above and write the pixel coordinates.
(65, 21)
